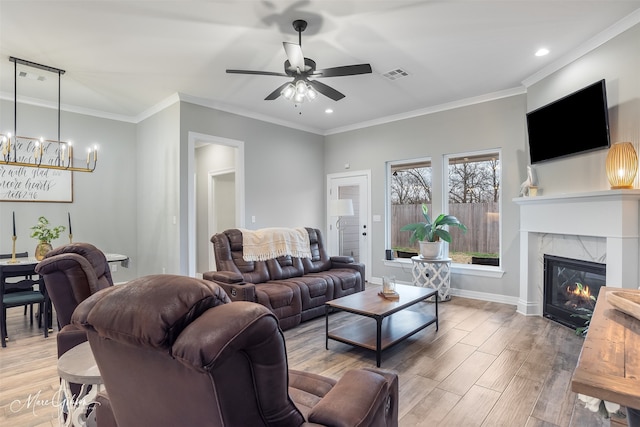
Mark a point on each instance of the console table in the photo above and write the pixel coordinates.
(432, 273)
(609, 363)
(79, 367)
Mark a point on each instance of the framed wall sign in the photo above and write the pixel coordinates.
(33, 184)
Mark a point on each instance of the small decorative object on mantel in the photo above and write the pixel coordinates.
(622, 165)
(528, 188)
(429, 233)
(45, 235)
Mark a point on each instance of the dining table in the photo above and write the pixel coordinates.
(26, 266)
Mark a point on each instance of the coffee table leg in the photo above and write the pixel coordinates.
(378, 341)
(326, 327)
(437, 325)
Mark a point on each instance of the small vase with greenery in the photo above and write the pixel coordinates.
(432, 231)
(45, 235)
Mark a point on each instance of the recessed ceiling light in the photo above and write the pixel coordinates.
(328, 111)
(542, 52)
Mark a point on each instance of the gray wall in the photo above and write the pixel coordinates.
(617, 61)
(284, 168)
(497, 124)
(158, 185)
(103, 211)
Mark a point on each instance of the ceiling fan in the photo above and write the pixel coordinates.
(301, 68)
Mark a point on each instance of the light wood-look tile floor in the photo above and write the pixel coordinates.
(486, 366)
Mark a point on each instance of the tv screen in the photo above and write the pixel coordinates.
(577, 123)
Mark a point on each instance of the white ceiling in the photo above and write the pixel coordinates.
(125, 58)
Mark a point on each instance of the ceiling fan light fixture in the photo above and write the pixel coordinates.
(311, 93)
(301, 87)
(289, 91)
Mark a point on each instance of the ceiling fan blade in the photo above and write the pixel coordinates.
(326, 90)
(276, 93)
(347, 70)
(262, 73)
(294, 55)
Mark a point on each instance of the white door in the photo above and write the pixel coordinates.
(349, 234)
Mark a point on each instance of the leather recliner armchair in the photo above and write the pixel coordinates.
(71, 274)
(174, 351)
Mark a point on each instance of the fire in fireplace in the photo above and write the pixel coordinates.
(571, 286)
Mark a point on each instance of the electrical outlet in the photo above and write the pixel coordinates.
(113, 266)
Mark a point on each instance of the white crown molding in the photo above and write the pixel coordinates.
(246, 113)
(431, 110)
(598, 40)
(165, 103)
(68, 108)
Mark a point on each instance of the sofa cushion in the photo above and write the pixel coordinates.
(284, 267)
(283, 299)
(343, 281)
(320, 260)
(228, 250)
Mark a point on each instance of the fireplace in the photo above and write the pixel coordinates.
(571, 285)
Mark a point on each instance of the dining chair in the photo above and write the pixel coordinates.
(71, 273)
(16, 286)
(20, 293)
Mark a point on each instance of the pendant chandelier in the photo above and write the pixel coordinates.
(24, 151)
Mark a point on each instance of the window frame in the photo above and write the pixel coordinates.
(445, 204)
(456, 268)
(390, 164)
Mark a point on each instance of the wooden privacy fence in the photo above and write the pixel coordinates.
(481, 219)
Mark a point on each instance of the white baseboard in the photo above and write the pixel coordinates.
(482, 296)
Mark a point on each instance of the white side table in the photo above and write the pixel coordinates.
(433, 273)
(78, 366)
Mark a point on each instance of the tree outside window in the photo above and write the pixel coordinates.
(474, 198)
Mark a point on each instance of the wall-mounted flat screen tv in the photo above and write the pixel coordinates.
(576, 123)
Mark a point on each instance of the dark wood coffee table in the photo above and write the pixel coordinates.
(393, 322)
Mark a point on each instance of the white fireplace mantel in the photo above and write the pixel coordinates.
(612, 214)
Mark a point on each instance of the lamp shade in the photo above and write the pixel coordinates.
(341, 207)
(622, 165)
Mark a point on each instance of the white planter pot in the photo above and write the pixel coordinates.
(431, 250)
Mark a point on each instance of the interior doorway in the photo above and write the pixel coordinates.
(216, 195)
(222, 208)
(348, 231)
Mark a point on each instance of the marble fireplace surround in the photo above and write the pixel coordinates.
(609, 220)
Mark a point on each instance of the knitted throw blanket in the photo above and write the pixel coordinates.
(269, 243)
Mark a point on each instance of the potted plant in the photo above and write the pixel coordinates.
(45, 235)
(430, 233)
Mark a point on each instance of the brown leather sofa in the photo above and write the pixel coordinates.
(173, 351)
(294, 289)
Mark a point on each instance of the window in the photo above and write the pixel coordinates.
(472, 186)
(473, 196)
(410, 186)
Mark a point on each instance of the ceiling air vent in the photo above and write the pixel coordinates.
(31, 76)
(395, 74)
